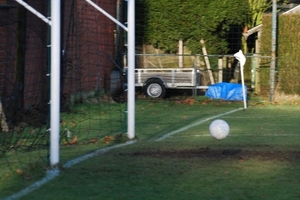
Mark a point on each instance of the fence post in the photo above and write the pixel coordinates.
(253, 71)
(220, 69)
(273, 51)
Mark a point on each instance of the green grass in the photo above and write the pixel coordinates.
(188, 164)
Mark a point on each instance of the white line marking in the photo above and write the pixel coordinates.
(51, 174)
(196, 124)
(100, 151)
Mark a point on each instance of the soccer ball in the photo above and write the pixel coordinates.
(219, 129)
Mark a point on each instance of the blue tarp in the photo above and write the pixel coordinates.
(226, 91)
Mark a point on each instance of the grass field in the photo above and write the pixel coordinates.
(260, 159)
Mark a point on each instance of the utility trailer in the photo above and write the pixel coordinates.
(155, 81)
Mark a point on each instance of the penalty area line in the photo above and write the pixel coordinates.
(196, 124)
(51, 174)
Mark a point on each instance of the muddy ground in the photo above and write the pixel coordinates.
(235, 154)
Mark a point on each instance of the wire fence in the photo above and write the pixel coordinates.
(211, 69)
(92, 113)
(93, 85)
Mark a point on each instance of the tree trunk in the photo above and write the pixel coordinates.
(207, 62)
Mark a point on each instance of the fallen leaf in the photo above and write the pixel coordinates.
(72, 124)
(74, 140)
(93, 140)
(20, 172)
(241, 159)
(190, 101)
(63, 122)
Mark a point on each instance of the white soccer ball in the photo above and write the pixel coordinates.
(219, 129)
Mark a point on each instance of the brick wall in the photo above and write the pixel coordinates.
(88, 42)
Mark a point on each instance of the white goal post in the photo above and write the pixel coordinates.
(55, 69)
(130, 61)
(54, 76)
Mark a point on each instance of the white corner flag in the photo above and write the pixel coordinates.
(242, 59)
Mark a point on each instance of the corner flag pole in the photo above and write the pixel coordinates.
(242, 59)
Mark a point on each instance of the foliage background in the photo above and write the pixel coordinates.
(288, 63)
(162, 23)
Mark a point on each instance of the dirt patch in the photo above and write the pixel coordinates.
(207, 153)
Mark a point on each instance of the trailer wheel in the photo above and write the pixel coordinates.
(155, 88)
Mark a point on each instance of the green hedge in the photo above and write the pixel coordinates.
(288, 53)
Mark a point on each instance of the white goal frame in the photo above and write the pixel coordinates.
(55, 69)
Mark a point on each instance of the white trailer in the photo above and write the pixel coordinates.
(155, 81)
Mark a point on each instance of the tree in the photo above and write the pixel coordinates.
(166, 22)
(258, 8)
